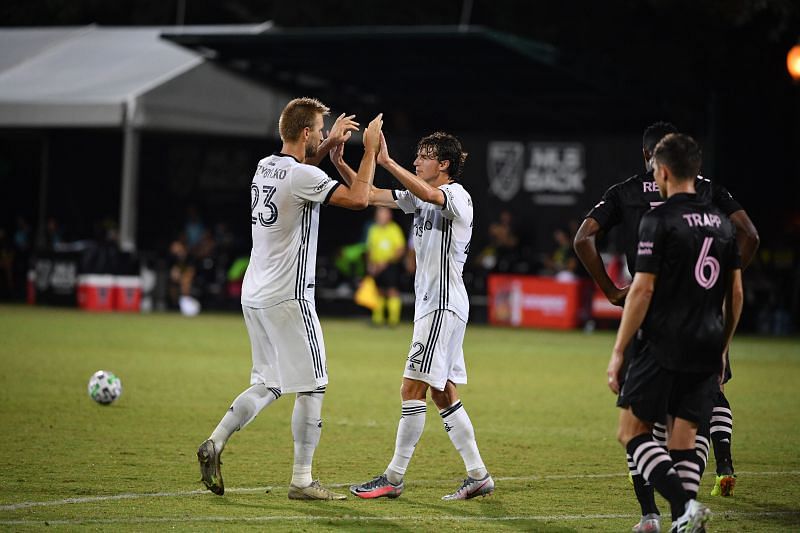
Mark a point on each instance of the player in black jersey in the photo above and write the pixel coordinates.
(623, 205)
(687, 265)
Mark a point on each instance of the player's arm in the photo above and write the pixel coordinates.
(586, 249)
(382, 198)
(345, 171)
(415, 185)
(357, 195)
(636, 306)
(734, 300)
(342, 128)
(746, 236)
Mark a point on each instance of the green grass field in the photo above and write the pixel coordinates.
(544, 419)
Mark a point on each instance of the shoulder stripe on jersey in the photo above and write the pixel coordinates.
(311, 336)
(433, 338)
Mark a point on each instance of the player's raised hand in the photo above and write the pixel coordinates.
(337, 154)
(372, 137)
(383, 155)
(343, 127)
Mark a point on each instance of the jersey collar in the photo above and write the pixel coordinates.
(281, 154)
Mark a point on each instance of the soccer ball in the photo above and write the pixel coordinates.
(104, 387)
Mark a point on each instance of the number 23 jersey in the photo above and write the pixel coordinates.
(285, 196)
(441, 241)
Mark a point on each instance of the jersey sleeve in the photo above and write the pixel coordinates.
(608, 211)
(456, 201)
(724, 200)
(312, 184)
(405, 201)
(650, 248)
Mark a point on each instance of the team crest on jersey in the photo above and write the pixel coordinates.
(504, 164)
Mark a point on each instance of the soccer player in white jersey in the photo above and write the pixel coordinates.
(278, 291)
(442, 211)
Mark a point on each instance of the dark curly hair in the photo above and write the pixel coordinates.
(444, 147)
(654, 133)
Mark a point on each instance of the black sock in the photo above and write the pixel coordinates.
(655, 465)
(688, 468)
(721, 433)
(645, 494)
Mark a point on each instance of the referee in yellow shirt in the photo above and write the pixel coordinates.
(386, 246)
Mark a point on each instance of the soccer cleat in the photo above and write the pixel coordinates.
(650, 523)
(724, 484)
(693, 520)
(315, 491)
(210, 471)
(377, 488)
(471, 488)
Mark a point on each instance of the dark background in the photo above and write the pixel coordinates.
(715, 69)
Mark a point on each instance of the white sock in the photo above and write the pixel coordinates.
(306, 430)
(462, 435)
(409, 430)
(242, 411)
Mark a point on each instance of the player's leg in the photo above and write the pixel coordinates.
(409, 430)
(651, 460)
(448, 362)
(394, 305)
(303, 370)
(379, 311)
(416, 380)
(263, 391)
(686, 460)
(721, 436)
(650, 521)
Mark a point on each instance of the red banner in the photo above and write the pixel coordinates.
(532, 301)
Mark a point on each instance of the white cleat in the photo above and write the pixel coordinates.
(693, 520)
(650, 523)
(471, 488)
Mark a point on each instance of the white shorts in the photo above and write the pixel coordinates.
(437, 354)
(288, 349)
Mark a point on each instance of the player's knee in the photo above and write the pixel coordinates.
(413, 389)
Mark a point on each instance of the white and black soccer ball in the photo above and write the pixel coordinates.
(104, 387)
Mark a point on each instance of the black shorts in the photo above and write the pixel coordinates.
(631, 351)
(653, 392)
(389, 278)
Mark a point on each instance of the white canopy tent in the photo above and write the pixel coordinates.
(129, 79)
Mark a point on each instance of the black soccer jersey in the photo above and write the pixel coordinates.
(691, 247)
(626, 202)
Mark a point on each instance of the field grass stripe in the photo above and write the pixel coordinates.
(350, 518)
(176, 494)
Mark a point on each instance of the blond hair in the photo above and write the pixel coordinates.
(298, 114)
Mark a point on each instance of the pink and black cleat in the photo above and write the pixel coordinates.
(377, 488)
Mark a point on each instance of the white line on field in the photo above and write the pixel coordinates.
(139, 495)
(350, 518)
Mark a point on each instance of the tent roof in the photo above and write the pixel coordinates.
(103, 77)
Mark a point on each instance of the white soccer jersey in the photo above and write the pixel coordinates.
(284, 200)
(441, 241)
